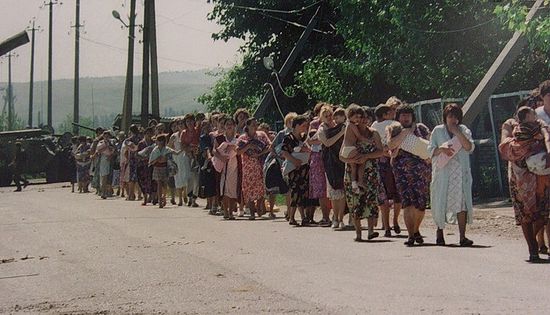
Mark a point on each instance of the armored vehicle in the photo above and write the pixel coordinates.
(47, 154)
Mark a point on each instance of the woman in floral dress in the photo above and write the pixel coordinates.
(363, 204)
(253, 144)
(298, 179)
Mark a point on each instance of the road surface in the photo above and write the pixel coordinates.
(76, 253)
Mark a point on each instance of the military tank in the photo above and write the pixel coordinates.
(47, 154)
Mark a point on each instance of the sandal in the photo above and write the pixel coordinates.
(466, 242)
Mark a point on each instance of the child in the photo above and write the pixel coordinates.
(159, 160)
(352, 140)
(529, 140)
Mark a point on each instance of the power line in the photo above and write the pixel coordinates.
(124, 50)
(276, 11)
(465, 29)
(293, 23)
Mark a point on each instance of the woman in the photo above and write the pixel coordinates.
(529, 192)
(189, 138)
(83, 163)
(240, 117)
(226, 151)
(317, 177)
(130, 168)
(412, 173)
(298, 179)
(274, 181)
(207, 174)
(331, 132)
(451, 187)
(180, 179)
(363, 204)
(252, 145)
(144, 172)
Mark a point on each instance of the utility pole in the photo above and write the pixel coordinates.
(269, 96)
(31, 81)
(77, 26)
(155, 99)
(478, 99)
(51, 3)
(129, 88)
(145, 68)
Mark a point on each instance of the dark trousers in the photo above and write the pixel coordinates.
(17, 178)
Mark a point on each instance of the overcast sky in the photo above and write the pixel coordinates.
(183, 36)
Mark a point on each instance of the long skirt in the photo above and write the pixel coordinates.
(182, 176)
(298, 182)
(412, 179)
(229, 179)
(83, 172)
(365, 203)
(317, 177)
(145, 178)
(207, 181)
(252, 179)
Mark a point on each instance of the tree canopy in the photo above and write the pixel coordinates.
(364, 51)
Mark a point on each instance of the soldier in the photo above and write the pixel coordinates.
(18, 166)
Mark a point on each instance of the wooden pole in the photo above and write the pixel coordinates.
(129, 88)
(478, 99)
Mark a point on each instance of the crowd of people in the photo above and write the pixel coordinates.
(358, 160)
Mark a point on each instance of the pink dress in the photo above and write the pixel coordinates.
(253, 187)
(229, 177)
(317, 178)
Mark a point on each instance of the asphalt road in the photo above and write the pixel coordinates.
(76, 253)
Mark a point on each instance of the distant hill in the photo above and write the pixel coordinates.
(178, 94)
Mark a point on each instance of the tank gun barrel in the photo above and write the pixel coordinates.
(83, 127)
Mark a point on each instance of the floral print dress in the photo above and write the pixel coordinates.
(413, 175)
(365, 203)
(298, 179)
(252, 167)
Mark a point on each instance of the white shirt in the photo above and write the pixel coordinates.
(380, 127)
(543, 115)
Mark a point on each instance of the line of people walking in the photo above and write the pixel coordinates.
(358, 160)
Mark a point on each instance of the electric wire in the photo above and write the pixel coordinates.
(275, 10)
(137, 52)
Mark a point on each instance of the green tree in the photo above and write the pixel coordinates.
(369, 50)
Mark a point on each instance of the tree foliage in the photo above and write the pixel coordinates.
(367, 50)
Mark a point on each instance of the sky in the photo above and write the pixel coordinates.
(183, 38)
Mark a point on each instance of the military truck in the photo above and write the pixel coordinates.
(47, 154)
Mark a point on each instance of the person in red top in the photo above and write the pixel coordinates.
(190, 145)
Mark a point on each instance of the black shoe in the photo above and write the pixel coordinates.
(387, 233)
(17, 190)
(373, 235)
(397, 229)
(466, 242)
(410, 242)
(418, 238)
(25, 184)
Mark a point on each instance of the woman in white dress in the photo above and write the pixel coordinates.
(181, 177)
(451, 187)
